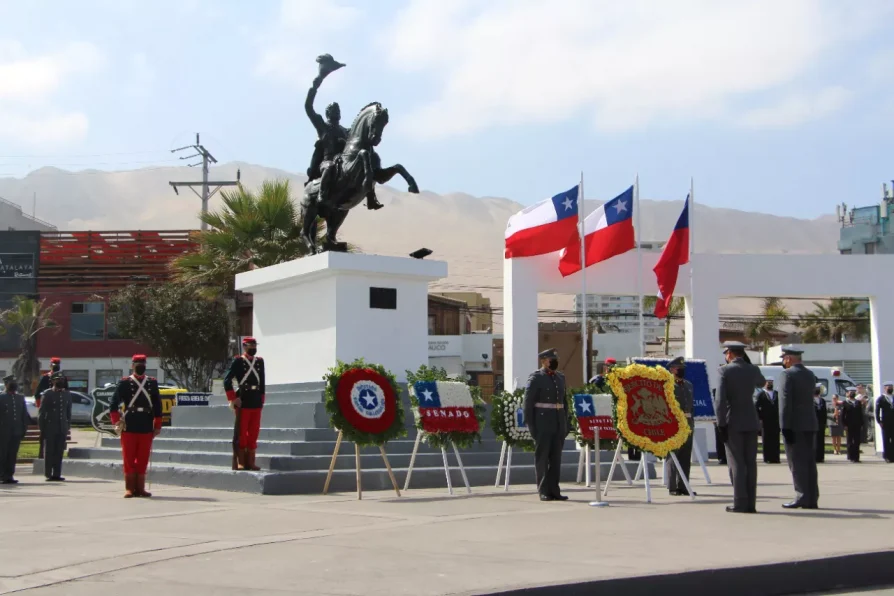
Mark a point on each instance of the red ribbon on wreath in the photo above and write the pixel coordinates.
(366, 400)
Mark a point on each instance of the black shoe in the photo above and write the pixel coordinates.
(48, 479)
(810, 507)
(732, 509)
(793, 505)
(57, 479)
(10, 481)
(674, 493)
(560, 497)
(547, 498)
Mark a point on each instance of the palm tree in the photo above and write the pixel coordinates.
(840, 319)
(252, 230)
(27, 317)
(677, 307)
(768, 323)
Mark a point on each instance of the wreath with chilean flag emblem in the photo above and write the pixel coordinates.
(363, 402)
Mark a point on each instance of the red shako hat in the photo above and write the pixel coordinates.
(249, 340)
(55, 360)
(139, 358)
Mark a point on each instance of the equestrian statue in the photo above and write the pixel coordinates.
(345, 167)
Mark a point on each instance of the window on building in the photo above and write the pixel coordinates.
(111, 328)
(870, 248)
(108, 376)
(78, 380)
(88, 321)
(432, 324)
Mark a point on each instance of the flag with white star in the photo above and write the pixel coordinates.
(445, 406)
(594, 411)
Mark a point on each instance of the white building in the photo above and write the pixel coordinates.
(86, 374)
(619, 314)
(462, 354)
(12, 218)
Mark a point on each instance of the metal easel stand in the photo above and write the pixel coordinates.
(459, 462)
(618, 458)
(597, 502)
(507, 453)
(583, 465)
(701, 461)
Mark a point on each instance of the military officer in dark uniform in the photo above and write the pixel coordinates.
(852, 419)
(14, 421)
(822, 422)
(44, 384)
(139, 423)
(738, 424)
(547, 420)
(54, 419)
(46, 380)
(768, 412)
(685, 395)
(246, 391)
(884, 414)
(798, 422)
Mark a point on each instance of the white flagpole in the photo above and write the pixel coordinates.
(583, 277)
(639, 266)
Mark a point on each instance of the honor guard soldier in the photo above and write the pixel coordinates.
(46, 380)
(884, 414)
(738, 424)
(14, 421)
(798, 421)
(852, 419)
(685, 395)
(54, 419)
(139, 423)
(247, 396)
(547, 420)
(822, 422)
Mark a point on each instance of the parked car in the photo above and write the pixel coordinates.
(81, 408)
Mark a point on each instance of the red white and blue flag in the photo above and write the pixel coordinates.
(594, 411)
(675, 254)
(545, 227)
(445, 406)
(608, 232)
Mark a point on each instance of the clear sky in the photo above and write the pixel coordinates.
(780, 106)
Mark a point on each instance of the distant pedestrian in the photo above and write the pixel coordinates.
(884, 413)
(865, 402)
(852, 418)
(768, 412)
(739, 425)
(819, 406)
(836, 429)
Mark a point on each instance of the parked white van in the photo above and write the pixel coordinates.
(833, 379)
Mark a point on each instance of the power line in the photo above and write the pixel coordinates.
(205, 184)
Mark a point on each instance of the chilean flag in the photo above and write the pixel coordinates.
(608, 232)
(594, 413)
(544, 227)
(675, 254)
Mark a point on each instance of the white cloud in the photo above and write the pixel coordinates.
(304, 30)
(621, 65)
(30, 83)
(798, 109)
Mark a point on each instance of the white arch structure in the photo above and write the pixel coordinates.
(714, 276)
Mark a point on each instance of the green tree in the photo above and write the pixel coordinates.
(28, 318)
(189, 332)
(677, 307)
(767, 324)
(252, 230)
(840, 319)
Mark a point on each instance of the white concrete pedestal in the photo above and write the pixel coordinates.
(311, 312)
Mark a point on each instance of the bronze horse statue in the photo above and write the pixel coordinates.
(357, 170)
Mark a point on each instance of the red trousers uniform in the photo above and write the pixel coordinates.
(249, 428)
(135, 450)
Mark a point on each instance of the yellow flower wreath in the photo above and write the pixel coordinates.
(653, 374)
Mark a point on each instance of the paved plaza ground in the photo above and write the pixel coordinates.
(81, 537)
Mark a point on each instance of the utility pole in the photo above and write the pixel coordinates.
(206, 193)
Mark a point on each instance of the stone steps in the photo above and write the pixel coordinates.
(345, 459)
(266, 434)
(269, 482)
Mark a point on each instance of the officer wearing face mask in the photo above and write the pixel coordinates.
(547, 420)
(54, 419)
(14, 421)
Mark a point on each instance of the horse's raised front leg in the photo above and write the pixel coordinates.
(369, 181)
(386, 174)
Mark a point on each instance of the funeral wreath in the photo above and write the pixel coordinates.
(363, 402)
(507, 419)
(646, 413)
(445, 411)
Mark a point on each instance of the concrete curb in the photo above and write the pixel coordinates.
(847, 572)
